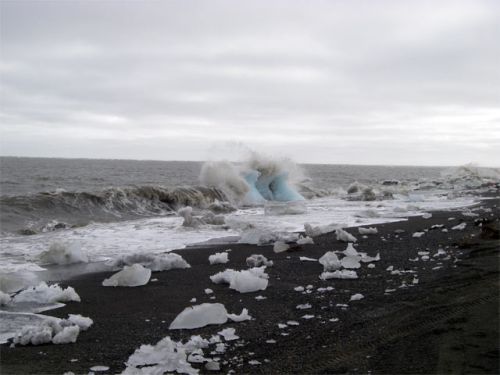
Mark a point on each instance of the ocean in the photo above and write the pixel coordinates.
(108, 208)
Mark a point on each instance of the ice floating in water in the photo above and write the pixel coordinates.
(344, 236)
(280, 246)
(343, 274)
(370, 230)
(43, 294)
(218, 258)
(155, 262)
(240, 318)
(135, 275)
(258, 260)
(245, 281)
(61, 253)
(330, 261)
(200, 316)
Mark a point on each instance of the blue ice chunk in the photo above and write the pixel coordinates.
(282, 191)
(262, 185)
(252, 197)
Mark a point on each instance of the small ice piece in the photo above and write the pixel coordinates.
(444, 230)
(370, 230)
(307, 259)
(67, 335)
(34, 335)
(282, 326)
(192, 300)
(440, 252)
(425, 257)
(426, 216)
(333, 320)
(219, 258)
(350, 251)
(248, 281)
(99, 368)
(260, 298)
(390, 268)
(258, 260)
(344, 236)
(155, 262)
(357, 297)
(459, 226)
(271, 341)
(208, 291)
(292, 323)
(307, 316)
(303, 306)
(130, 276)
(330, 261)
(43, 293)
(212, 366)
(418, 234)
(220, 347)
(62, 253)
(350, 262)
(200, 316)
(280, 246)
(228, 334)
(4, 298)
(299, 288)
(254, 362)
(240, 318)
(81, 321)
(371, 265)
(368, 259)
(305, 241)
(437, 226)
(343, 274)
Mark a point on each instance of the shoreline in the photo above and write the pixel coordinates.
(448, 322)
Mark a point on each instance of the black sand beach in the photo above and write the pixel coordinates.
(447, 323)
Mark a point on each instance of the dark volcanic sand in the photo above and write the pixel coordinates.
(447, 323)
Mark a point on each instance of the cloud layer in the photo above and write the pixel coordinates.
(370, 82)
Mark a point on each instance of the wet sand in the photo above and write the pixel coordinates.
(447, 323)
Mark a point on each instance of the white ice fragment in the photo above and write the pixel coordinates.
(303, 306)
(166, 356)
(307, 316)
(130, 276)
(228, 334)
(282, 326)
(99, 368)
(426, 215)
(34, 335)
(81, 321)
(305, 241)
(67, 335)
(62, 253)
(254, 362)
(344, 236)
(459, 226)
(440, 252)
(370, 230)
(280, 246)
(350, 251)
(260, 298)
(208, 291)
(292, 323)
(43, 293)
(307, 259)
(357, 297)
(343, 274)
(200, 316)
(367, 259)
(258, 260)
(219, 258)
(212, 366)
(350, 262)
(390, 268)
(271, 341)
(330, 261)
(244, 281)
(155, 262)
(333, 320)
(371, 265)
(418, 234)
(299, 288)
(240, 318)
(319, 230)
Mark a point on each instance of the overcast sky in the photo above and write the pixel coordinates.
(358, 82)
